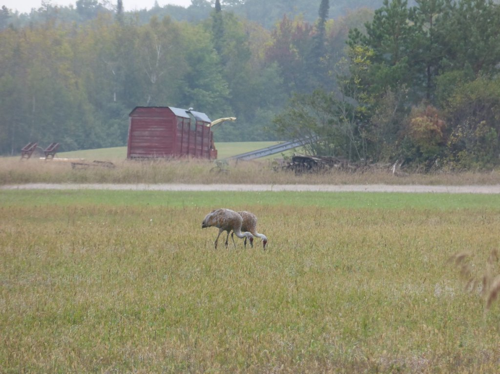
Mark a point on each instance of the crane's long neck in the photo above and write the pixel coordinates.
(262, 236)
(240, 234)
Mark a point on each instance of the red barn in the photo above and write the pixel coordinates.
(156, 132)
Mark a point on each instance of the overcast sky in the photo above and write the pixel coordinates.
(25, 6)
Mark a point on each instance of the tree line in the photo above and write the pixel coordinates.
(420, 85)
(265, 13)
(76, 82)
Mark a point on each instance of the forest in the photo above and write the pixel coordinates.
(415, 82)
(419, 86)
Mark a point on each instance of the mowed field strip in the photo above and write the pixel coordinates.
(475, 189)
(128, 281)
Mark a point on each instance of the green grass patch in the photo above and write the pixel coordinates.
(114, 153)
(225, 149)
(100, 281)
(210, 199)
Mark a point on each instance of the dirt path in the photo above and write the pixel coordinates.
(494, 189)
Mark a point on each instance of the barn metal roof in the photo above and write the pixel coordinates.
(182, 113)
(179, 112)
(201, 116)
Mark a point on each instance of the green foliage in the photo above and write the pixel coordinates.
(119, 11)
(268, 12)
(469, 34)
(386, 128)
(76, 84)
(316, 60)
(309, 116)
(427, 49)
(332, 126)
(389, 37)
(290, 49)
(428, 54)
(413, 46)
(448, 83)
(4, 17)
(473, 114)
(218, 28)
(473, 146)
(72, 75)
(265, 13)
(307, 54)
(89, 9)
(205, 88)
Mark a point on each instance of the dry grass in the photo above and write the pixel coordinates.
(484, 279)
(14, 171)
(98, 287)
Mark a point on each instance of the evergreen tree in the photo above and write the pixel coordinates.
(319, 39)
(316, 58)
(4, 17)
(88, 9)
(119, 11)
(469, 36)
(427, 52)
(218, 29)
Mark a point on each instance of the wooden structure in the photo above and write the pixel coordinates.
(28, 150)
(162, 132)
(51, 150)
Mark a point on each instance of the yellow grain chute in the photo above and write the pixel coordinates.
(217, 121)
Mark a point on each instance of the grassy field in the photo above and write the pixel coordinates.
(99, 281)
(15, 171)
(225, 149)
(262, 171)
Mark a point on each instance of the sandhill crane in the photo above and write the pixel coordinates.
(250, 225)
(226, 220)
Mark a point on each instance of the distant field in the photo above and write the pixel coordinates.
(100, 281)
(268, 170)
(224, 150)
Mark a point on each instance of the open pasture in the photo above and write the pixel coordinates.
(15, 171)
(100, 281)
(225, 149)
(261, 171)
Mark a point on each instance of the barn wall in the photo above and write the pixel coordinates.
(157, 132)
(151, 133)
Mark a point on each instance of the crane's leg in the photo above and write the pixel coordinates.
(232, 237)
(216, 240)
(227, 240)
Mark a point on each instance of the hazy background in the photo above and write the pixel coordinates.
(25, 6)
